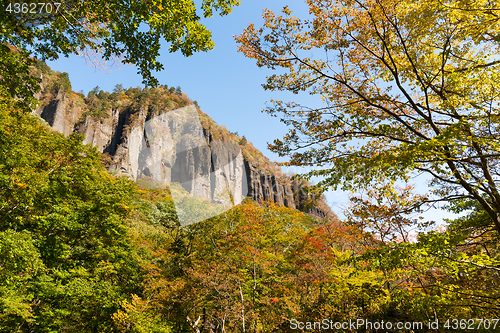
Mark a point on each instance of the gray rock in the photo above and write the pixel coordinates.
(60, 113)
(204, 170)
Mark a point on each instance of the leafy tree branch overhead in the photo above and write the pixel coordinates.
(408, 87)
(131, 30)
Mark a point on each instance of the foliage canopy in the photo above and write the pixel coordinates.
(130, 30)
(408, 87)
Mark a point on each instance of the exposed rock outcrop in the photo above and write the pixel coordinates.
(61, 113)
(203, 169)
(262, 187)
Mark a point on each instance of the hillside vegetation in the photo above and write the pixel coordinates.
(84, 251)
(408, 88)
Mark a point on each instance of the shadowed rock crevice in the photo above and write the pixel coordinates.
(117, 134)
(49, 112)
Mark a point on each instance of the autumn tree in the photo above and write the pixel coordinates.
(407, 88)
(65, 260)
(388, 216)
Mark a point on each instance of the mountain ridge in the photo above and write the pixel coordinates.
(115, 124)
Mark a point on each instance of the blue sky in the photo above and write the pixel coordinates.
(226, 85)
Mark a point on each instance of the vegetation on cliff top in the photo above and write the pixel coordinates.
(98, 104)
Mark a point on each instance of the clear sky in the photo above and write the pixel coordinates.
(226, 85)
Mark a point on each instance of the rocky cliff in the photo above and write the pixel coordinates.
(158, 137)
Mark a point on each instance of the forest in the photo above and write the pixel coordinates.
(407, 88)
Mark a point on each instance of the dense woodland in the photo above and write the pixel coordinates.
(86, 251)
(414, 87)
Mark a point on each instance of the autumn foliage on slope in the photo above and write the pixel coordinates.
(84, 251)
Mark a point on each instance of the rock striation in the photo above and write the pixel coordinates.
(61, 113)
(141, 144)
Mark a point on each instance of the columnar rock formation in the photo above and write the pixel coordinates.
(202, 171)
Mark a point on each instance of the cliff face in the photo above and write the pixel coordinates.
(157, 148)
(61, 112)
